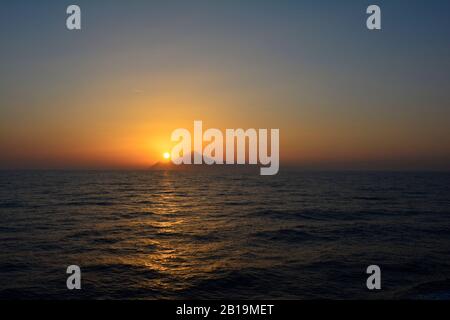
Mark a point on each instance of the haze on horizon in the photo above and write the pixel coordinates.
(110, 95)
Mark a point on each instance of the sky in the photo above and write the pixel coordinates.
(110, 95)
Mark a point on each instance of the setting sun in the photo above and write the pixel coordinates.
(166, 155)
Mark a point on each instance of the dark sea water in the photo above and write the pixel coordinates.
(297, 235)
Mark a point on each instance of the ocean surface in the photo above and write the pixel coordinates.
(233, 235)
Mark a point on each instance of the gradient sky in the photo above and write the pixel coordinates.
(110, 95)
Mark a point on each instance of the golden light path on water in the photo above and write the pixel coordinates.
(182, 234)
(170, 225)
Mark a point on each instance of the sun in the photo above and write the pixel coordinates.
(166, 155)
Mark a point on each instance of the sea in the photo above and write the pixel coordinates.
(224, 235)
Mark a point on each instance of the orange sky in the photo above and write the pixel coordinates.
(110, 95)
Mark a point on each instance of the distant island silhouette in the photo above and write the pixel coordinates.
(170, 166)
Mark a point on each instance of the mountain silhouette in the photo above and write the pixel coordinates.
(170, 166)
